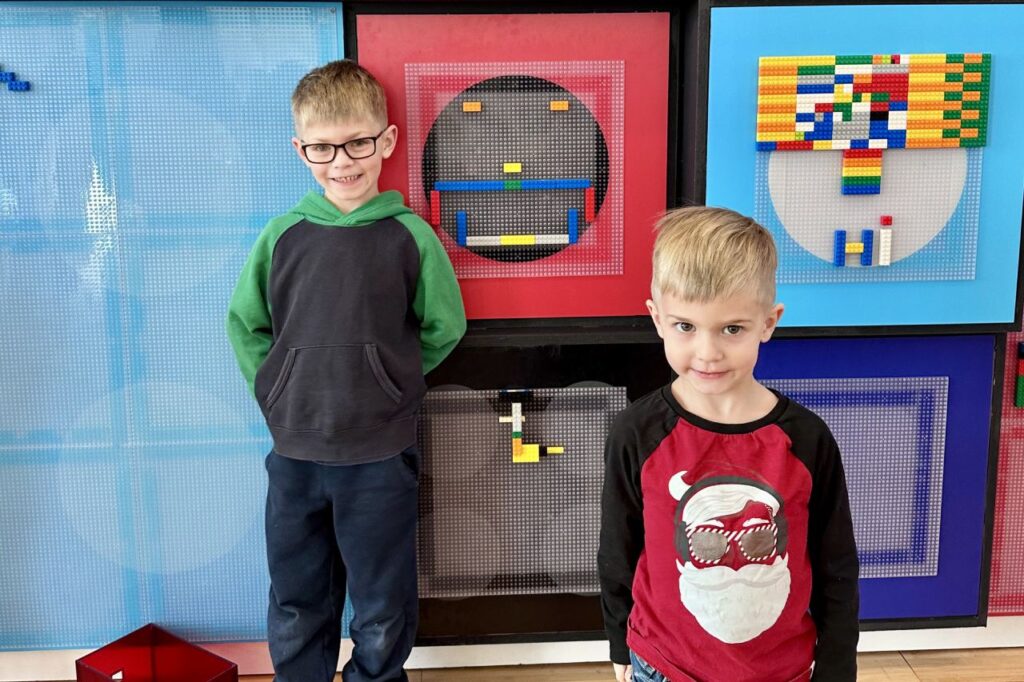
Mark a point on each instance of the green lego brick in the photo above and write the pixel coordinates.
(952, 114)
(861, 180)
(855, 59)
(1018, 395)
(879, 96)
(815, 70)
(955, 58)
(951, 132)
(954, 77)
(513, 184)
(953, 96)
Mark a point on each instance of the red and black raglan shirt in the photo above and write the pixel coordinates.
(727, 550)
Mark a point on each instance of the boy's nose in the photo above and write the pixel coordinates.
(707, 349)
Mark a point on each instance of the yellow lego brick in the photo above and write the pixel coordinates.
(556, 450)
(530, 453)
(854, 247)
(559, 105)
(924, 115)
(777, 80)
(926, 59)
(776, 118)
(916, 78)
(862, 172)
(925, 96)
(809, 60)
(512, 167)
(822, 144)
(471, 106)
(518, 239)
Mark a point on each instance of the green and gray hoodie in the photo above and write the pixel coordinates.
(335, 319)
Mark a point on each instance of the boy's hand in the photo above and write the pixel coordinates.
(623, 673)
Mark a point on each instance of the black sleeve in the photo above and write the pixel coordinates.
(835, 569)
(622, 534)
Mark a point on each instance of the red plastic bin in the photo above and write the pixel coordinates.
(152, 654)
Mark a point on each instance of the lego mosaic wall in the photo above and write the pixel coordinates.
(1006, 595)
(879, 145)
(136, 169)
(537, 145)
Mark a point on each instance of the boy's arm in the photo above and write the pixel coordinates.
(835, 570)
(249, 326)
(622, 539)
(438, 300)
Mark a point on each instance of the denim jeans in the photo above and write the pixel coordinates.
(332, 529)
(643, 672)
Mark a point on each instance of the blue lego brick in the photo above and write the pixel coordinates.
(868, 237)
(858, 144)
(878, 129)
(862, 189)
(897, 139)
(805, 117)
(839, 251)
(897, 106)
(574, 225)
(7, 76)
(581, 183)
(814, 88)
(19, 86)
(844, 78)
(460, 228)
(765, 146)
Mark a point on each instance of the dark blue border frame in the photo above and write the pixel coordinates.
(959, 587)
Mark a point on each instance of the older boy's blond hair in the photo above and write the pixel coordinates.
(338, 91)
(704, 253)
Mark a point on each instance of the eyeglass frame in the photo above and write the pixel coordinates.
(341, 146)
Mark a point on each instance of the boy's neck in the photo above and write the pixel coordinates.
(348, 207)
(748, 404)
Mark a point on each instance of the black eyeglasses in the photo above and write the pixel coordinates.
(359, 148)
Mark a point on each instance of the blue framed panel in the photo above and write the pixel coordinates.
(968, 362)
(135, 173)
(739, 36)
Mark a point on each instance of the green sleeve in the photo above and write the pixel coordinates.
(249, 325)
(438, 301)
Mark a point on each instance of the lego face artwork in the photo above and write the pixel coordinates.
(869, 160)
(515, 169)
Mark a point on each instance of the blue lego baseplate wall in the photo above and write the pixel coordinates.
(134, 176)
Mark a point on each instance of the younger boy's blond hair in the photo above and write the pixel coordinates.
(338, 91)
(703, 253)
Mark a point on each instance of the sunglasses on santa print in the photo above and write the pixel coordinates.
(709, 545)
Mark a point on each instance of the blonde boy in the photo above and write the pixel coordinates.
(342, 306)
(727, 548)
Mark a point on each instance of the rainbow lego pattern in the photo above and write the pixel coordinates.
(863, 104)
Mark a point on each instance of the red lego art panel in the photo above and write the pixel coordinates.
(537, 147)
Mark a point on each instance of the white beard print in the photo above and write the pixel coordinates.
(735, 606)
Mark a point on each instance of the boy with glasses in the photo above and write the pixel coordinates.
(344, 303)
(727, 549)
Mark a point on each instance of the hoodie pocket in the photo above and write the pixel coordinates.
(332, 388)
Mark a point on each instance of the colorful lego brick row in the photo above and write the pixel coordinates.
(516, 240)
(862, 171)
(872, 101)
(1018, 394)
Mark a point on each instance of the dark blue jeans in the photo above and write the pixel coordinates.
(644, 671)
(332, 528)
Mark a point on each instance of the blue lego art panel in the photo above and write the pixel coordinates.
(911, 416)
(880, 145)
(150, 148)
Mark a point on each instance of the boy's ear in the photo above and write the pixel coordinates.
(652, 308)
(388, 141)
(297, 144)
(772, 321)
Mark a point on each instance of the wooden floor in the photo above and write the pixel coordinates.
(967, 665)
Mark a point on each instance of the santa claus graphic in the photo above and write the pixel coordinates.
(730, 538)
